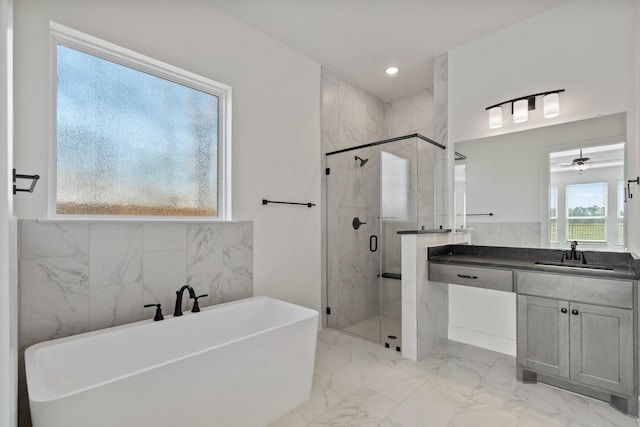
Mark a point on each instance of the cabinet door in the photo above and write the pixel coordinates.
(543, 335)
(601, 340)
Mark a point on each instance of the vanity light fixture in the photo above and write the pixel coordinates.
(392, 71)
(521, 106)
(495, 117)
(521, 110)
(551, 105)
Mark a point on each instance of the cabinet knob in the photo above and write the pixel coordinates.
(574, 312)
(563, 310)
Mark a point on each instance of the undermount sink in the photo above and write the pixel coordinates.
(568, 265)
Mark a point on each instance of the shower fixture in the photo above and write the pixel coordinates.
(362, 161)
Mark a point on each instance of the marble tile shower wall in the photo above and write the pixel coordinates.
(410, 114)
(352, 191)
(350, 115)
(81, 277)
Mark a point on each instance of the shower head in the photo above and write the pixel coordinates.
(362, 161)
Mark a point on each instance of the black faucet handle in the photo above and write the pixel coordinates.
(196, 306)
(158, 307)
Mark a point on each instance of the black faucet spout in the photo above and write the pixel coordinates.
(192, 294)
(574, 255)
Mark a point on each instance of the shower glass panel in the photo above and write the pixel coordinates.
(353, 226)
(372, 193)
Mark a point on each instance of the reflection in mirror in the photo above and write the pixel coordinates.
(507, 197)
(460, 202)
(586, 197)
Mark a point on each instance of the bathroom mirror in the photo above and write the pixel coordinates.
(524, 188)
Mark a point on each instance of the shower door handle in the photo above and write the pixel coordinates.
(373, 243)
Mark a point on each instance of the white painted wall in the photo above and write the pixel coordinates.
(276, 117)
(585, 47)
(495, 329)
(8, 286)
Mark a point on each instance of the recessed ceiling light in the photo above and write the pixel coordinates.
(391, 70)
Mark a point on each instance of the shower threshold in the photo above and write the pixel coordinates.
(377, 328)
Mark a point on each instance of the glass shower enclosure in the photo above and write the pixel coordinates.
(373, 192)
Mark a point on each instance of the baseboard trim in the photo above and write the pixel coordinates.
(483, 340)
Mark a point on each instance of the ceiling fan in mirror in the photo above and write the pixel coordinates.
(581, 163)
(598, 157)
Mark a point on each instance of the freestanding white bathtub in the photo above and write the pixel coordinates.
(243, 363)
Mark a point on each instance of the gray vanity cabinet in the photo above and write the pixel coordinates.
(578, 329)
(543, 335)
(601, 346)
(586, 343)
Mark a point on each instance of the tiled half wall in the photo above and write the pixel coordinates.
(85, 276)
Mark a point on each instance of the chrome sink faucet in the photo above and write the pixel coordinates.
(192, 294)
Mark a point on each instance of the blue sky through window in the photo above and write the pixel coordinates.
(586, 195)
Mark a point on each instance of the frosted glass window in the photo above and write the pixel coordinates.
(131, 143)
(395, 186)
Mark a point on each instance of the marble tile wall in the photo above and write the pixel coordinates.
(410, 114)
(390, 299)
(424, 303)
(441, 132)
(517, 234)
(81, 277)
(350, 115)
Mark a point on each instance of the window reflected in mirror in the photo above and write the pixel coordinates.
(586, 196)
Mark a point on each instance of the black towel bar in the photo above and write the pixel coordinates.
(265, 202)
(34, 180)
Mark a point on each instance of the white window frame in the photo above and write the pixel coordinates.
(553, 191)
(68, 37)
(618, 217)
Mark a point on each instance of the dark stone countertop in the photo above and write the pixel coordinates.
(622, 265)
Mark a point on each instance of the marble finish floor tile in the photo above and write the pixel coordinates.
(359, 383)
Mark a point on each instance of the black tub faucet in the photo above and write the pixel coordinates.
(158, 315)
(196, 306)
(192, 294)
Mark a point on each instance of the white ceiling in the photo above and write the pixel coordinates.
(359, 39)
